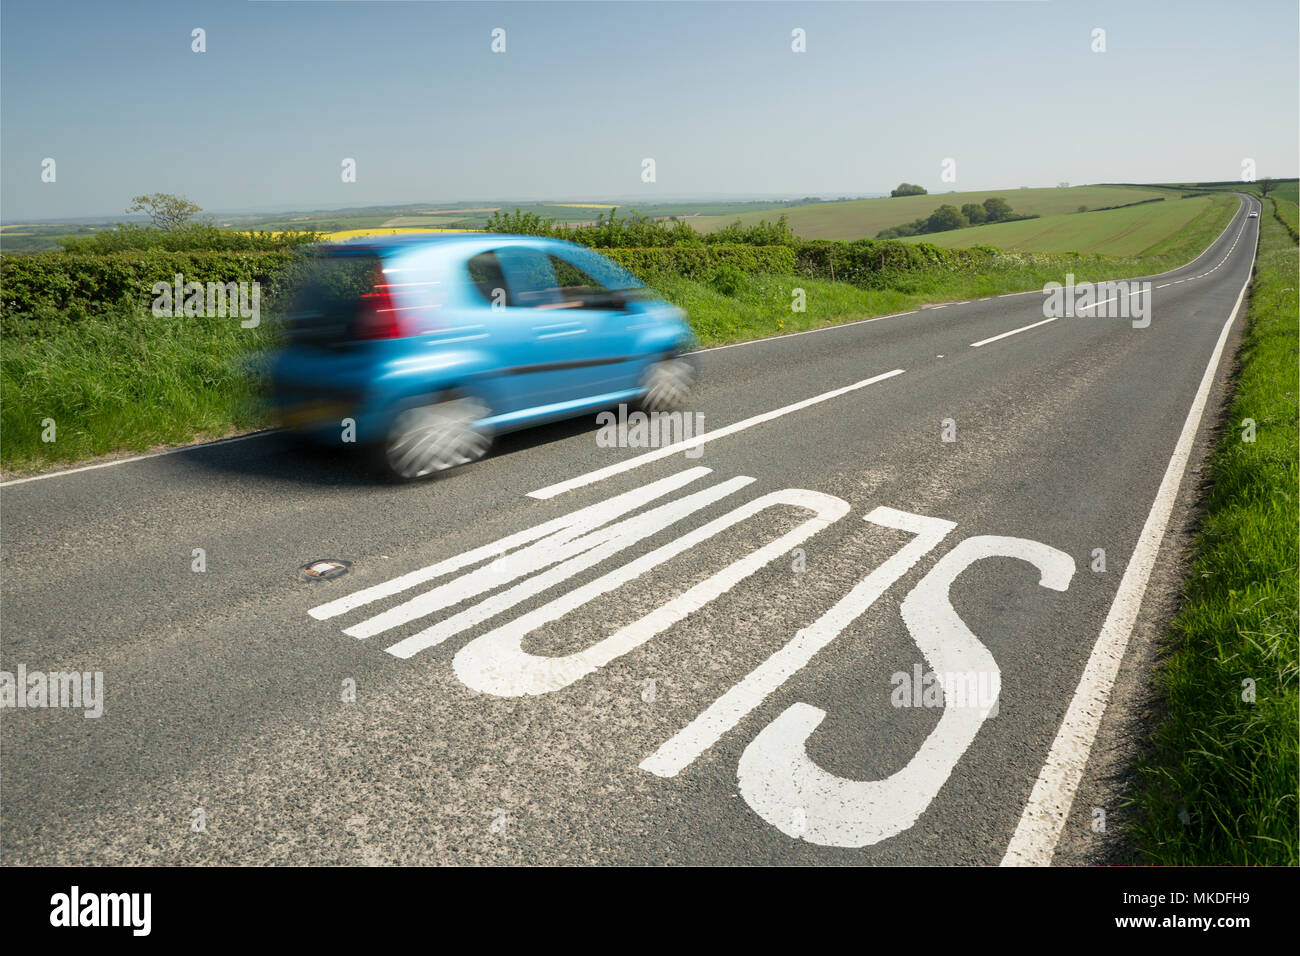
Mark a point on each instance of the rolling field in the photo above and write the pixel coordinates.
(1113, 232)
(1288, 191)
(863, 218)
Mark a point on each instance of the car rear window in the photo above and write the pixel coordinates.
(326, 290)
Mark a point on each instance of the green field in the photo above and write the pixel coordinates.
(1289, 191)
(863, 218)
(1113, 232)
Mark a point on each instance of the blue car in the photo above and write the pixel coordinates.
(424, 348)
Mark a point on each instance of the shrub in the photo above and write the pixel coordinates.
(728, 280)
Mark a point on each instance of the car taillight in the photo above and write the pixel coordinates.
(378, 316)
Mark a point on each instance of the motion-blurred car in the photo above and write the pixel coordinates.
(423, 348)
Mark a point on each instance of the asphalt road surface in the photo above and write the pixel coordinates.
(734, 652)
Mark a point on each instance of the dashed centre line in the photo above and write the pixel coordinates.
(600, 474)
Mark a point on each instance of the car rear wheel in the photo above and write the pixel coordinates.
(434, 437)
(668, 385)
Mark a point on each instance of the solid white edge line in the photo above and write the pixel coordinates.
(794, 335)
(1044, 817)
(123, 461)
(1003, 335)
(550, 491)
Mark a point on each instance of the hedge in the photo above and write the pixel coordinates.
(701, 262)
(68, 286)
(876, 263)
(72, 286)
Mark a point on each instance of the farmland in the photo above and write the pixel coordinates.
(863, 218)
(1131, 231)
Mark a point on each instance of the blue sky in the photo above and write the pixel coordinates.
(411, 90)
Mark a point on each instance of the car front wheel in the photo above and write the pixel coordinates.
(668, 384)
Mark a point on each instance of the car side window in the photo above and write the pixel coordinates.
(530, 278)
(577, 289)
(489, 278)
(520, 277)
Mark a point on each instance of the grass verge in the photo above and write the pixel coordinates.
(1220, 783)
(126, 382)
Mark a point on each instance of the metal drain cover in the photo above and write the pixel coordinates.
(324, 569)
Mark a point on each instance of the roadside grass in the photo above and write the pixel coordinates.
(126, 382)
(1220, 783)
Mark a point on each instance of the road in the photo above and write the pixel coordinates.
(686, 657)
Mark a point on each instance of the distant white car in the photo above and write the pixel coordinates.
(1253, 215)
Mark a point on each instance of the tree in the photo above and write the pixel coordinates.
(944, 218)
(974, 212)
(166, 211)
(1266, 186)
(997, 209)
(908, 189)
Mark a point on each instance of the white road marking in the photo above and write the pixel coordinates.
(562, 529)
(783, 785)
(123, 461)
(590, 551)
(1023, 328)
(550, 491)
(792, 335)
(496, 663)
(723, 714)
(1039, 830)
(1085, 308)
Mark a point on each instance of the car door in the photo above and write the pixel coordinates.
(611, 333)
(564, 348)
